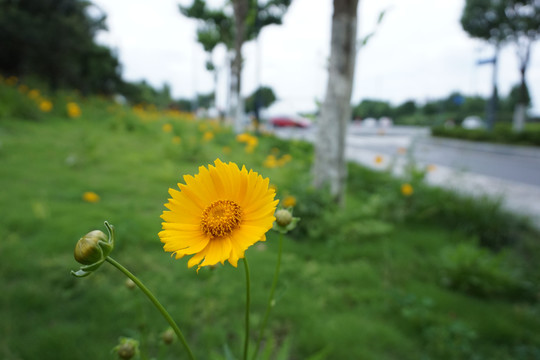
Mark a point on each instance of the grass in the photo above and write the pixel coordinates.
(387, 277)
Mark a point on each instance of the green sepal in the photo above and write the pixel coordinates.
(286, 229)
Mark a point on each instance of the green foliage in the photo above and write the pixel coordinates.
(503, 134)
(55, 41)
(264, 94)
(478, 272)
(372, 108)
(358, 282)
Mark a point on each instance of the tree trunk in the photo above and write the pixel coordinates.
(240, 8)
(330, 167)
(520, 111)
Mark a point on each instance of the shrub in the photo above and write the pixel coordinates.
(479, 272)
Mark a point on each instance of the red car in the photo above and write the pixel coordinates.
(290, 121)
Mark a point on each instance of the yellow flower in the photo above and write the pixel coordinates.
(23, 88)
(90, 197)
(289, 201)
(378, 159)
(244, 137)
(167, 128)
(12, 80)
(401, 150)
(270, 162)
(407, 189)
(176, 140)
(33, 94)
(45, 106)
(431, 168)
(284, 159)
(218, 214)
(208, 136)
(73, 110)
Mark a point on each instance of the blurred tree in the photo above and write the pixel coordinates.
(330, 164)
(205, 100)
(405, 109)
(485, 19)
(499, 22)
(515, 97)
(54, 39)
(266, 97)
(372, 108)
(524, 23)
(144, 93)
(249, 17)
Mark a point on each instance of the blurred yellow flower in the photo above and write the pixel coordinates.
(90, 197)
(270, 162)
(289, 201)
(203, 127)
(378, 159)
(73, 110)
(218, 214)
(250, 141)
(12, 80)
(244, 137)
(407, 189)
(176, 140)
(284, 159)
(401, 150)
(23, 88)
(33, 94)
(167, 128)
(45, 106)
(208, 135)
(431, 168)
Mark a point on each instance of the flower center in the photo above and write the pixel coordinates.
(220, 218)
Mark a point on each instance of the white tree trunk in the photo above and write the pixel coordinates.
(240, 8)
(330, 167)
(519, 117)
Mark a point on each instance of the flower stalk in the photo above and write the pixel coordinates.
(271, 300)
(248, 300)
(154, 301)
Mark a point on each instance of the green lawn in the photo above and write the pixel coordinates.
(430, 276)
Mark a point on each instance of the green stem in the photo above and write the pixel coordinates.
(270, 298)
(246, 340)
(154, 301)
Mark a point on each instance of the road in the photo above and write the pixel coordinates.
(511, 173)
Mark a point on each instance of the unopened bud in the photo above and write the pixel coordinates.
(87, 251)
(283, 217)
(168, 336)
(92, 250)
(130, 284)
(127, 348)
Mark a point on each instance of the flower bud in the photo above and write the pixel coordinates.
(127, 348)
(87, 251)
(283, 217)
(92, 250)
(130, 284)
(168, 336)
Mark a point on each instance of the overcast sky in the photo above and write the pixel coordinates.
(419, 52)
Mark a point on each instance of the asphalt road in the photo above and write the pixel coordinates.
(512, 163)
(509, 173)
